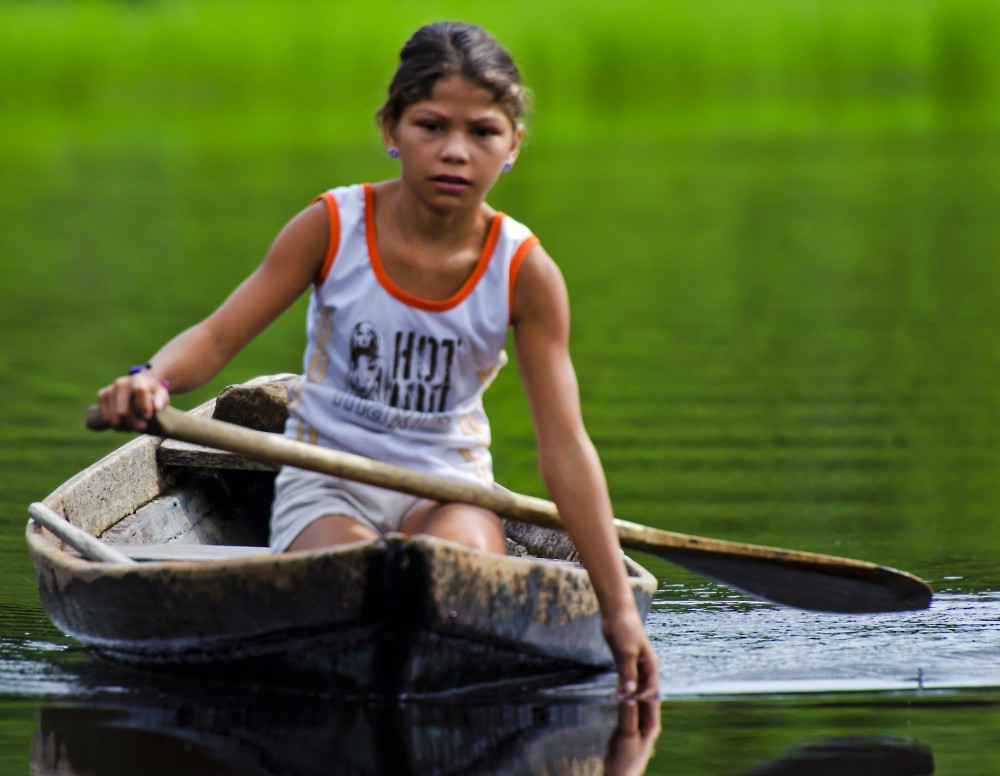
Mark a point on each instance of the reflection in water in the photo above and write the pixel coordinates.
(260, 734)
(253, 734)
(857, 756)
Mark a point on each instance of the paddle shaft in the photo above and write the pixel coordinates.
(800, 579)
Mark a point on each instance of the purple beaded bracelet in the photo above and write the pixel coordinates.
(144, 368)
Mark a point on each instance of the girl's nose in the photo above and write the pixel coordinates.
(456, 148)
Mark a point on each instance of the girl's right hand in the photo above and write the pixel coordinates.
(129, 402)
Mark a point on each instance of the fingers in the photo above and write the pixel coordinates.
(129, 402)
(115, 404)
(649, 672)
(628, 676)
(639, 674)
(635, 659)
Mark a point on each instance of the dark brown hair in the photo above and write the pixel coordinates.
(443, 49)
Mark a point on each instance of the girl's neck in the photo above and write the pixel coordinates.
(413, 219)
(426, 252)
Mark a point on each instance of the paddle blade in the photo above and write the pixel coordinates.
(819, 589)
(805, 580)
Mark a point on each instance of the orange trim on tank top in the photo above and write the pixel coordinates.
(430, 305)
(333, 247)
(515, 266)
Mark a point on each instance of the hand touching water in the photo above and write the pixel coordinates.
(635, 659)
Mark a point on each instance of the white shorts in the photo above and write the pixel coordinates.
(301, 497)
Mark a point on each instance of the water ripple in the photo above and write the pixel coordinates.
(739, 646)
(31, 664)
(735, 646)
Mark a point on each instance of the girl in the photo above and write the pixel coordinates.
(414, 283)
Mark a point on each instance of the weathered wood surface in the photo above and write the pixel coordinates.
(260, 404)
(81, 541)
(123, 481)
(192, 552)
(184, 454)
(409, 616)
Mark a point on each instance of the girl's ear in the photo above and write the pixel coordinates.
(388, 134)
(515, 147)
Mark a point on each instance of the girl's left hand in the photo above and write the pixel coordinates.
(635, 659)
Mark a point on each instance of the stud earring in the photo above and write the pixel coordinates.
(394, 153)
(507, 167)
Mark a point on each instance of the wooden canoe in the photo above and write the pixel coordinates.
(396, 617)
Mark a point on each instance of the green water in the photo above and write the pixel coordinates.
(777, 223)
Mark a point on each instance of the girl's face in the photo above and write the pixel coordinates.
(454, 144)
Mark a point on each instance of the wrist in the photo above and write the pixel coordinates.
(139, 369)
(616, 598)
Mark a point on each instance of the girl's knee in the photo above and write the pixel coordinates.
(487, 539)
(471, 526)
(330, 531)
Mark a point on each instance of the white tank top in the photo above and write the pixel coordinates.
(398, 378)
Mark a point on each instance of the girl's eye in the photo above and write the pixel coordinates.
(485, 131)
(430, 126)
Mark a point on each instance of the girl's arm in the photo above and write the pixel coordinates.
(195, 356)
(570, 467)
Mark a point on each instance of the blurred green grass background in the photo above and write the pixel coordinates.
(253, 74)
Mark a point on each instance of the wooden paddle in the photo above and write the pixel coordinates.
(800, 579)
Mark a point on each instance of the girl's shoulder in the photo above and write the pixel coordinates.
(511, 224)
(517, 236)
(344, 193)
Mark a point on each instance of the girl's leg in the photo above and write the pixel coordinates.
(330, 531)
(472, 526)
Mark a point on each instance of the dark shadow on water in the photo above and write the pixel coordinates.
(852, 756)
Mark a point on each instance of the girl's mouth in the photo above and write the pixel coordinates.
(450, 183)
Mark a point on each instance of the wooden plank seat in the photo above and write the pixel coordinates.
(185, 455)
(190, 552)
